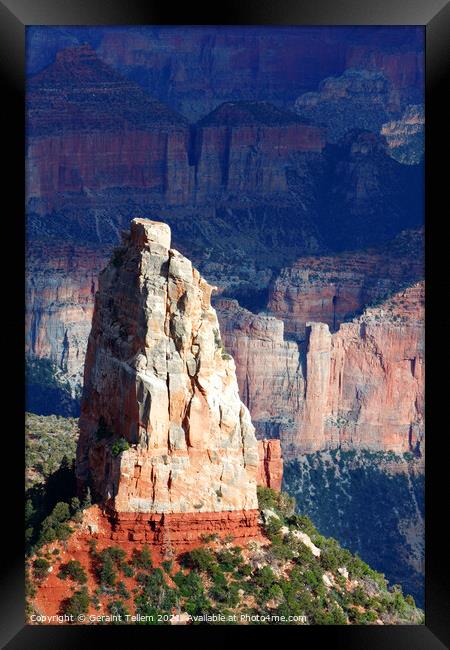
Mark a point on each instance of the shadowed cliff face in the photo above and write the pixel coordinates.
(100, 150)
(197, 68)
(162, 428)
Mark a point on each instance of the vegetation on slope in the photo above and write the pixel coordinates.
(50, 498)
(372, 502)
(48, 439)
(257, 584)
(300, 577)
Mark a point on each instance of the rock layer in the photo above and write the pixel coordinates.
(246, 146)
(268, 367)
(162, 428)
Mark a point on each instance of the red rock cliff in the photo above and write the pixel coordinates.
(268, 367)
(245, 147)
(361, 387)
(270, 471)
(90, 129)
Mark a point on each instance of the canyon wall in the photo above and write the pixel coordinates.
(365, 383)
(196, 68)
(60, 289)
(332, 289)
(204, 66)
(405, 136)
(324, 387)
(90, 129)
(162, 428)
(361, 387)
(245, 146)
(268, 368)
(244, 191)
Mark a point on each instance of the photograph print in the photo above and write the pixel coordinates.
(224, 325)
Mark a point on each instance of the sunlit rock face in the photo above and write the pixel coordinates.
(162, 425)
(360, 387)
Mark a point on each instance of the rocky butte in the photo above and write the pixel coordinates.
(165, 442)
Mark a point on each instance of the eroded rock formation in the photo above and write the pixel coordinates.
(268, 368)
(245, 147)
(162, 427)
(90, 128)
(405, 136)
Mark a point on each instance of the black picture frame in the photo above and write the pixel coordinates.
(15, 16)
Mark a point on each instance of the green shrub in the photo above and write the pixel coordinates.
(40, 568)
(267, 498)
(142, 559)
(108, 563)
(119, 446)
(230, 559)
(244, 571)
(410, 600)
(303, 523)
(264, 577)
(127, 571)
(122, 591)
(167, 565)
(333, 616)
(77, 604)
(55, 526)
(107, 573)
(190, 587)
(359, 596)
(273, 527)
(154, 592)
(188, 583)
(73, 569)
(199, 559)
(118, 608)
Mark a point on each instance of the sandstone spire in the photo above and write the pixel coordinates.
(162, 427)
